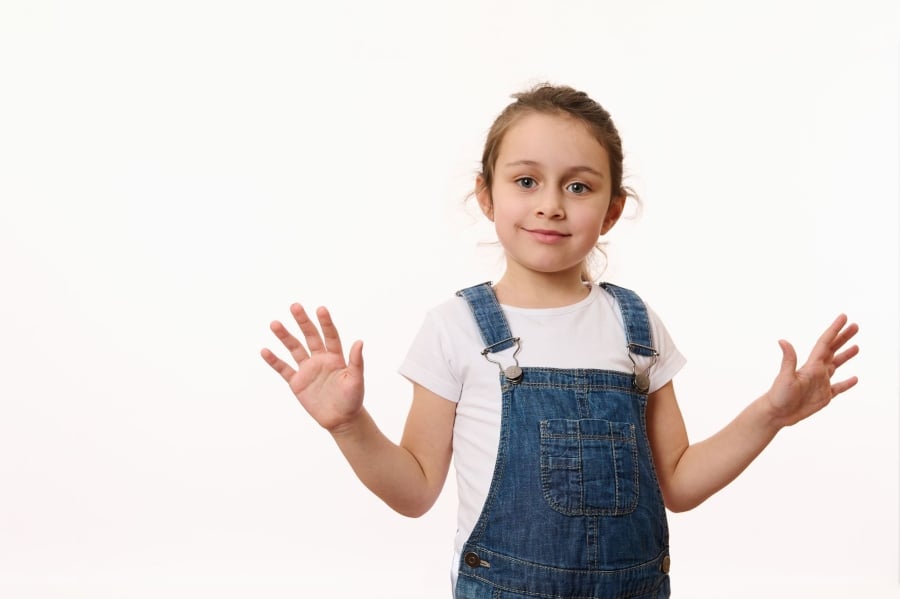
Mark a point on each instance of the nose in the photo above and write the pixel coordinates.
(550, 204)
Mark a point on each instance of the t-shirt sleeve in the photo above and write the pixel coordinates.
(670, 359)
(430, 361)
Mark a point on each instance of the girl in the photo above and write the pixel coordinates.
(553, 395)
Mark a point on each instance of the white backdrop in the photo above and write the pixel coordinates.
(174, 174)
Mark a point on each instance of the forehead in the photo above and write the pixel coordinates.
(552, 140)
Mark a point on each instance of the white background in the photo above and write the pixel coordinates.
(174, 174)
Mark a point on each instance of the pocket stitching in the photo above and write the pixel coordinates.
(614, 435)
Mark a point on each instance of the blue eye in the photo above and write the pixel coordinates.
(578, 188)
(526, 182)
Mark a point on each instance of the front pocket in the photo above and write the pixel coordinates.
(589, 467)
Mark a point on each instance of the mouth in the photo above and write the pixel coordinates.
(547, 235)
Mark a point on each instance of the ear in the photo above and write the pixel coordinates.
(613, 212)
(483, 195)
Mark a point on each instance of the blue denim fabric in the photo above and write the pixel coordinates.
(574, 508)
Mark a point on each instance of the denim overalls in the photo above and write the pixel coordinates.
(574, 508)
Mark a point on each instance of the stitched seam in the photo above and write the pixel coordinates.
(622, 503)
(615, 462)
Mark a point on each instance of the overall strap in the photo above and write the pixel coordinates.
(497, 336)
(489, 316)
(637, 322)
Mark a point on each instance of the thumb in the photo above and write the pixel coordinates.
(356, 357)
(788, 358)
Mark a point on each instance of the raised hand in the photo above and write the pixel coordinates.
(327, 386)
(797, 394)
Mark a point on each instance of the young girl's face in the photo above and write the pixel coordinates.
(551, 196)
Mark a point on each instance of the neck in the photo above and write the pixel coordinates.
(540, 290)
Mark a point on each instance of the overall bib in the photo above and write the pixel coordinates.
(574, 508)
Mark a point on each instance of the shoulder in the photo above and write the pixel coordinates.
(451, 321)
(670, 359)
(624, 297)
(445, 345)
(452, 312)
(616, 295)
(619, 298)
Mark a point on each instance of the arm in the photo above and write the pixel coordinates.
(689, 474)
(408, 476)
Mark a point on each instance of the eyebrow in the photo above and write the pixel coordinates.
(574, 169)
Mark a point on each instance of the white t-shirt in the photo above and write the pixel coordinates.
(446, 359)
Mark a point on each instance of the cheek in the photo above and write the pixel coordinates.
(590, 215)
(502, 212)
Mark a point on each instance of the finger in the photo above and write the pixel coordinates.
(831, 333)
(329, 331)
(788, 357)
(831, 339)
(843, 385)
(845, 355)
(356, 357)
(309, 330)
(277, 364)
(844, 336)
(291, 343)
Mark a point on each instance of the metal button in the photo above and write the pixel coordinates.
(666, 564)
(472, 560)
(513, 374)
(642, 381)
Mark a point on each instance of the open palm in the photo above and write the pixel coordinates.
(799, 393)
(328, 387)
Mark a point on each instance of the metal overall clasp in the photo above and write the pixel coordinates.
(512, 373)
(641, 380)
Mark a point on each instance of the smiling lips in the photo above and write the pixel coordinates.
(547, 235)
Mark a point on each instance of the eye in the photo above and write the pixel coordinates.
(526, 182)
(578, 188)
